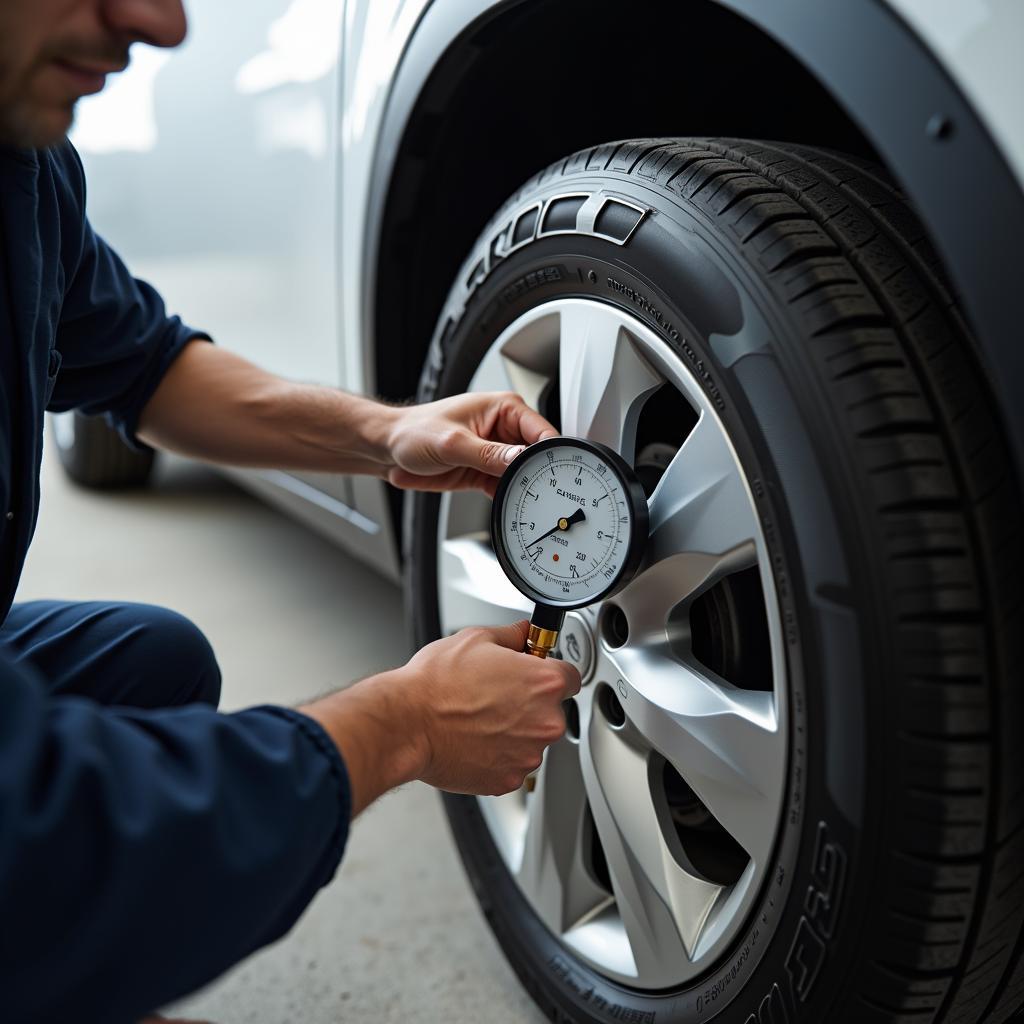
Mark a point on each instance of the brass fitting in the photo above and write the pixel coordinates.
(541, 642)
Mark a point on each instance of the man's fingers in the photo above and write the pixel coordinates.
(512, 636)
(533, 427)
(507, 425)
(573, 680)
(451, 480)
(463, 448)
(521, 423)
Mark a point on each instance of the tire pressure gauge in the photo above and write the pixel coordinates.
(569, 524)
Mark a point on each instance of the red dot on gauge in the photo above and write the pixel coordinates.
(555, 557)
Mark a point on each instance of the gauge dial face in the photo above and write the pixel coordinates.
(566, 523)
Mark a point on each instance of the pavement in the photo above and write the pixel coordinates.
(397, 935)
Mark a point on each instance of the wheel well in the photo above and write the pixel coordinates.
(537, 82)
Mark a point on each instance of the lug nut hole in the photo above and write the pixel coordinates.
(610, 706)
(614, 626)
(572, 719)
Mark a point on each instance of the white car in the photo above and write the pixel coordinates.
(792, 789)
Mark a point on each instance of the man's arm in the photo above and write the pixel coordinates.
(470, 714)
(214, 405)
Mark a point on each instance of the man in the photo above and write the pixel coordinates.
(147, 842)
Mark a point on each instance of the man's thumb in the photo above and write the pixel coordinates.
(513, 636)
(491, 457)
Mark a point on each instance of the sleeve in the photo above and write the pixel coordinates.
(144, 852)
(114, 337)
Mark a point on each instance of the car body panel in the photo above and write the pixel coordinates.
(215, 172)
(376, 35)
(978, 42)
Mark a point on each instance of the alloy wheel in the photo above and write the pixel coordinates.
(649, 828)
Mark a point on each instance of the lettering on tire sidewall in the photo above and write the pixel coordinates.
(657, 319)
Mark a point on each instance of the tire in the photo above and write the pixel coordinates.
(797, 288)
(93, 454)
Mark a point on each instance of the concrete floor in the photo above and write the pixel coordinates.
(397, 936)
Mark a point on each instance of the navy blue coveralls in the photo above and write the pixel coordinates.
(147, 842)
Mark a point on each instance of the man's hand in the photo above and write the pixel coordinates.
(462, 443)
(470, 714)
(490, 710)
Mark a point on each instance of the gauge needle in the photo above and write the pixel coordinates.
(562, 524)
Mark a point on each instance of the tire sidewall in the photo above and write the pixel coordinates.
(692, 289)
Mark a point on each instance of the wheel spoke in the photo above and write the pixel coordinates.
(502, 371)
(474, 590)
(701, 504)
(603, 378)
(663, 908)
(552, 872)
(724, 741)
(493, 373)
(649, 599)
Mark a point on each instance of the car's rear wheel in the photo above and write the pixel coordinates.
(788, 789)
(93, 454)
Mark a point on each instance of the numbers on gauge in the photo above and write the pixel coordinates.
(572, 533)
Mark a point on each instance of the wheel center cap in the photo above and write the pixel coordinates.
(576, 644)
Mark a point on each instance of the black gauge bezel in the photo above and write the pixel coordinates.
(639, 519)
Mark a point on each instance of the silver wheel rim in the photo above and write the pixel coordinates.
(650, 919)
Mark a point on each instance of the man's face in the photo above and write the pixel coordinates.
(52, 52)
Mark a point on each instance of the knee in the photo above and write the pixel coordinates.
(187, 655)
